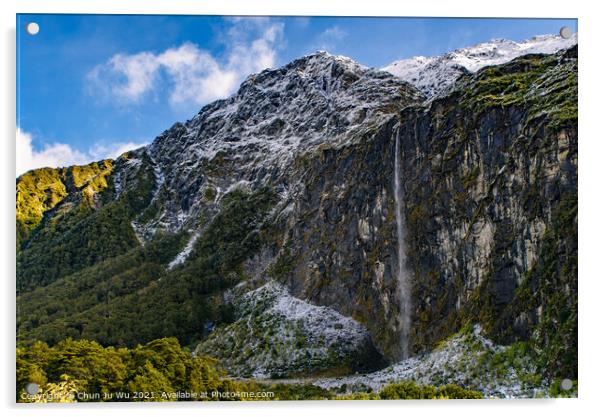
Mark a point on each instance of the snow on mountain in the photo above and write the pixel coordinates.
(282, 113)
(436, 75)
(302, 336)
(468, 359)
(183, 255)
(275, 116)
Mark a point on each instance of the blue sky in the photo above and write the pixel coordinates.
(92, 86)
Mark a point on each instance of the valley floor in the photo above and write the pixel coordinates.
(468, 360)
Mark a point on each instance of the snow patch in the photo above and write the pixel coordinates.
(462, 360)
(276, 116)
(436, 75)
(279, 334)
(159, 177)
(183, 255)
(321, 321)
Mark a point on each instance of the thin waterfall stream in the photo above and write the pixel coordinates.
(403, 277)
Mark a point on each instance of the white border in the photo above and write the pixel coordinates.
(511, 8)
(590, 150)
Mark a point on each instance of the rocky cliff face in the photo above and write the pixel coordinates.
(253, 138)
(492, 201)
(291, 181)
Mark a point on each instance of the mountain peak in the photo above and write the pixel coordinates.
(278, 114)
(313, 65)
(325, 55)
(436, 75)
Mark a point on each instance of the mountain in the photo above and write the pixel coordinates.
(252, 138)
(268, 230)
(436, 75)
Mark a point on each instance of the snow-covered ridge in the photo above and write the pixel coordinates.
(274, 117)
(255, 135)
(279, 334)
(321, 322)
(435, 75)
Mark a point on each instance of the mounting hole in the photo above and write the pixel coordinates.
(565, 32)
(32, 388)
(32, 28)
(566, 384)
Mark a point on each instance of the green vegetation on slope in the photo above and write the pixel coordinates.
(43, 189)
(80, 234)
(409, 390)
(56, 311)
(544, 84)
(162, 370)
(142, 373)
(133, 298)
(37, 192)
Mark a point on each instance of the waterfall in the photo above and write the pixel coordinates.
(403, 277)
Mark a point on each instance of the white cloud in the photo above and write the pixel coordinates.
(193, 75)
(111, 150)
(61, 155)
(329, 39)
(196, 76)
(55, 155)
(126, 77)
